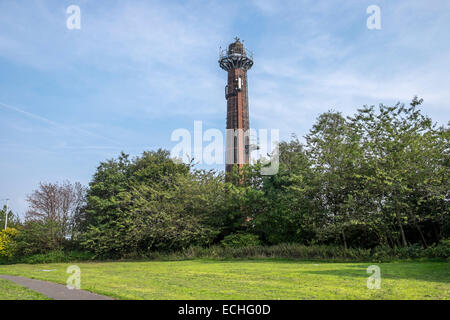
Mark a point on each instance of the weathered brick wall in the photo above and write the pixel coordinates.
(238, 114)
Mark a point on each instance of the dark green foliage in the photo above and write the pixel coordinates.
(286, 215)
(58, 256)
(51, 219)
(309, 252)
(280, 251)
(371, 186)
(379, 178)
(34, 238)
(240, 239)
(150, 203)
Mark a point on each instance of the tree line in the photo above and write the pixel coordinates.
(377, 178)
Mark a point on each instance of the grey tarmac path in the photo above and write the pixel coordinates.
(54, 290)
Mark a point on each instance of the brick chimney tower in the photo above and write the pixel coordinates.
(236, 61)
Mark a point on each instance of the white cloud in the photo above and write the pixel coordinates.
(137, 70)
(329, 60)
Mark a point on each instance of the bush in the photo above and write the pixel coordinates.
(280, 251)
(303, 252)
(441, 250)
(7, 237)
(50, 257)
(239, 240)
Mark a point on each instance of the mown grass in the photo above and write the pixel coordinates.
(11, 291)
(249, 279)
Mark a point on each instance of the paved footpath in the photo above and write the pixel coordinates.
(54, 290)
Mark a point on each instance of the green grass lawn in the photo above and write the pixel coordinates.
(11, 291)
(249, 279)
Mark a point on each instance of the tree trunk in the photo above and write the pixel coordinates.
(402, 232)
(436, 233)
(345, 240)
(420, 232)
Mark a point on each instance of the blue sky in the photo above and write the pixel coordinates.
(137, 70)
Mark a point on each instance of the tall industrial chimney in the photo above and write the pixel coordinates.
(236, 61)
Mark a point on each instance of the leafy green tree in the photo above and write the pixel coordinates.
(334, 152)
(49, 221)
(150, 203)
(283, 210)
(7, 238)
(13, 219)
(377, 178)
(405, 169)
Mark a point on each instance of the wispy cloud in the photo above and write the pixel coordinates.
(338, 63)
(68, 129)
(138, 70)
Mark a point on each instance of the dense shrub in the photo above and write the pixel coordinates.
(7, 237)
(442, 250)
(149, 203)
(280, 251)
(57, 257)
(370, 186)
(238, 240)
(311, 252)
